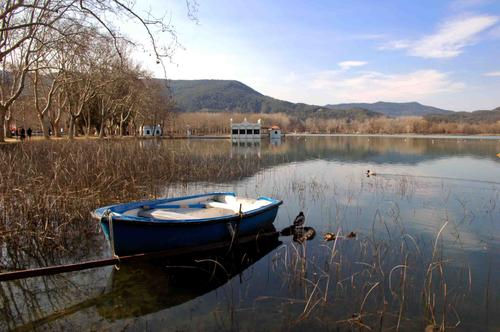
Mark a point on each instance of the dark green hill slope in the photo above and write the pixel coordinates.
(227, 96)
(234, 96)
(394, 109)
(468, 117)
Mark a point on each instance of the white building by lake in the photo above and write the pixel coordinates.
(149, 131)
(275, 132)
(245, 130)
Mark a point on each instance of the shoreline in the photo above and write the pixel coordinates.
(431, 136)
(228, 137)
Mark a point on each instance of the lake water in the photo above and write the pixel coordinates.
(426, 251)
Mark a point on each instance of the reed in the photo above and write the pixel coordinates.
(48, 189)
(392, 276)
(376, 281)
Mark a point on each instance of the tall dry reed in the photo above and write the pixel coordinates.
(48, 189)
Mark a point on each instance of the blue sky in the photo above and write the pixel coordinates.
(441, 53)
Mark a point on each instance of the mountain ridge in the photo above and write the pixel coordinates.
(394, 109)
(490, 116)
(212, 95)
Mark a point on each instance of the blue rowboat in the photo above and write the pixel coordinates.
(188, 221)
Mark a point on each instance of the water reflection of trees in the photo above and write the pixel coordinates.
(371, 149)
(398, 150)
(386, 149)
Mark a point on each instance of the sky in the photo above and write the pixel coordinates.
(444, 53)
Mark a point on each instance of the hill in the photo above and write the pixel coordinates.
(351, 114)
(227, 96)
(468, 117)
(393, 109)
(234, 96)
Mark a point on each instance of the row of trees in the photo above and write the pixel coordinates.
(66, 61)
(400, 125)
(205, 123)
(218, 123)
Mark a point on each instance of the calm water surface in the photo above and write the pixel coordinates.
(426, 251)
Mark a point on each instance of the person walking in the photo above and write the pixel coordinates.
(23, 134)
(29, 132)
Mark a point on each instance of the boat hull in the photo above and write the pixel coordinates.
(131, 237)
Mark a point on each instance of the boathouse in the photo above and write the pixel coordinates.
(148, 131)
(245, 130)
(275, 132)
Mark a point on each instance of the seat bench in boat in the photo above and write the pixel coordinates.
(225, 205)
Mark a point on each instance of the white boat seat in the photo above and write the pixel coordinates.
(225, 206)
(164, 214)
(235, 205)
(221, 206)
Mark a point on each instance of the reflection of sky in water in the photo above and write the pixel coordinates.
(421, 184)
(338, 194)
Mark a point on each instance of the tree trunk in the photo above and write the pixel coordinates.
(8, 134)
(45, 130)
(101, 130)
(3, 130)
(55, 126)
(87, 129)
(121, 128)
(87, 124)
(71, 128)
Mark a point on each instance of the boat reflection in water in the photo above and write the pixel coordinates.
(135, 290)
(140, 289)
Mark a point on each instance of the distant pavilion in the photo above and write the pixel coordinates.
(245, 130)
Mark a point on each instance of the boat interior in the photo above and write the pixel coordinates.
(199, 208)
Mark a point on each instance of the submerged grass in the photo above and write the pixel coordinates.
(372, 285)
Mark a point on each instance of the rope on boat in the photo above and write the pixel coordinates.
(109, 215)
(236, 230)
(111, 232)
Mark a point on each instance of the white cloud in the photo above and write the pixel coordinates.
(450, 39)
(375, 86)
(346, 65)
(492, 73)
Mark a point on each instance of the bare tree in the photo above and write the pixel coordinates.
(155, 105)
(14, 68)
(23, 23)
